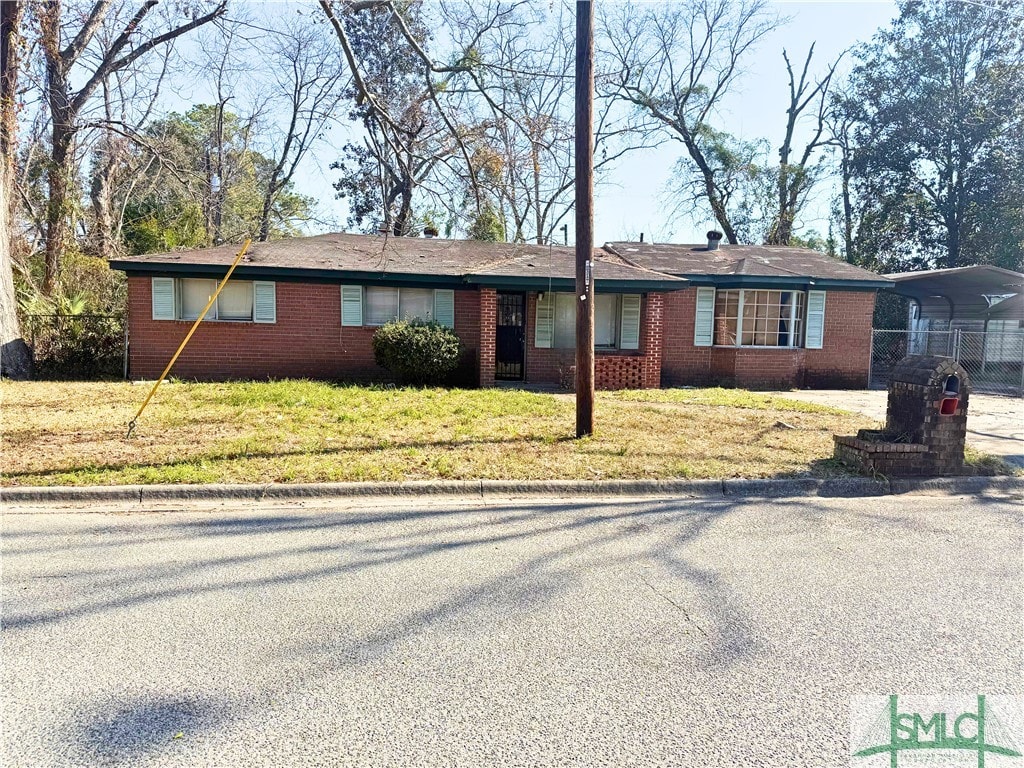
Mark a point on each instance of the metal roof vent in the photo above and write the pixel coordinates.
(713, 237)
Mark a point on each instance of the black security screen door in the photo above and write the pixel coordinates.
(511, 337)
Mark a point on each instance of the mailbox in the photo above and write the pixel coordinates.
(925, 424)
(950, 396)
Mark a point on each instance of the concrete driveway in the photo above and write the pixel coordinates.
(457, 633)
(995, 424)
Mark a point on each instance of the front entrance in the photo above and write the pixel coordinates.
(510, 344)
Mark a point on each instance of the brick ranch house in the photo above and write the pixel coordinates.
(766, 317)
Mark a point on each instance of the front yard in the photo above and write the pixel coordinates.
(303, 431)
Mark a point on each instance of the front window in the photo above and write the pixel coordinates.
(759, 318)
(386, 304)
(233, 303)
(606, 320)
(194, 296)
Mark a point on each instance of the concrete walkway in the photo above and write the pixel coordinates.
(995, 424)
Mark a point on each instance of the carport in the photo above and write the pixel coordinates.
(956, 298)
(972, 314)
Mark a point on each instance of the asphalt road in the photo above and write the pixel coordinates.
(644, 632)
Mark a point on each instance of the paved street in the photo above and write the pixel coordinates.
(995, 424)
(640, 632)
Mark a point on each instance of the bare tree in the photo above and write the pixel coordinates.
(675, 63)
(422, 129)
(15, 359)
(404, 136)
(308, 75)
(795, 179)
(63, 46)
(525, 78)
(129, 100)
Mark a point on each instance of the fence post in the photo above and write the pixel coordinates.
(871, 360)
(126, 349)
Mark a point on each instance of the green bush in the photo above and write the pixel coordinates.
(77, 347)
(415, 351)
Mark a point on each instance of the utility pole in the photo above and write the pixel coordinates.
(584, 218)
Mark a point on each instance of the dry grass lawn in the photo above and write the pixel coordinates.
(302, 431)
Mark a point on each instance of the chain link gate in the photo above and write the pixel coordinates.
(994, 361)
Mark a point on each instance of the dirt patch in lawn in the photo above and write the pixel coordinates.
(302, 431)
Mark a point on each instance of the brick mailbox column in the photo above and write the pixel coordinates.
(925, 425)
(488, 334)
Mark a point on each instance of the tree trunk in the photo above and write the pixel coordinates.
(268, 207)
(15, 358)
(268, 202)
(100, 194)
(714, 198)
(538, 214)
(57, 206)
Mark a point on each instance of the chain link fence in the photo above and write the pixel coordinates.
(66, 347)
(994, 361)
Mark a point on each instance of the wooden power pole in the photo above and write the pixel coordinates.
(584, 218)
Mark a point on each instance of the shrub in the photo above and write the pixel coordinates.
(416, 351)
(77, 346)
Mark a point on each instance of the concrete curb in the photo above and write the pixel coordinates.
(839, 487)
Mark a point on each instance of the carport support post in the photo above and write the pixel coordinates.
(584, 218)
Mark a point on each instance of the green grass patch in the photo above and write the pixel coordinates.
(305, 431)
(987, 464)
(718, 397)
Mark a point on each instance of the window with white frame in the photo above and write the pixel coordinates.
(378, 305)
(759, 318)
(382, 305)
(616, 321)
(185, 298)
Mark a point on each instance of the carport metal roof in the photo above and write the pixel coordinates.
(1008, 309)
(960, 285)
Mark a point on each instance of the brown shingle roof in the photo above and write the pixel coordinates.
(751, 260)
(380, 257)
(403, 256)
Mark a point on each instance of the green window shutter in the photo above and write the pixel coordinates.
(815, 319)
(444, 307)
(545, 331)
(351, 305)
(629, 334)
(264, 302)
(704, 323)
(163, 298)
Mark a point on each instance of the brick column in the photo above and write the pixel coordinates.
(653, 339)
(488, 331)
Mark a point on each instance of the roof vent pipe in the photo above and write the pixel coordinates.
(713, 237)
(641, 237)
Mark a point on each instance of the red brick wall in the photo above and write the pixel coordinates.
(487, 334)
(842, 362)
(681, 362)
(623, 369)
(844, 359)
(307, 340)
(768, 368)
